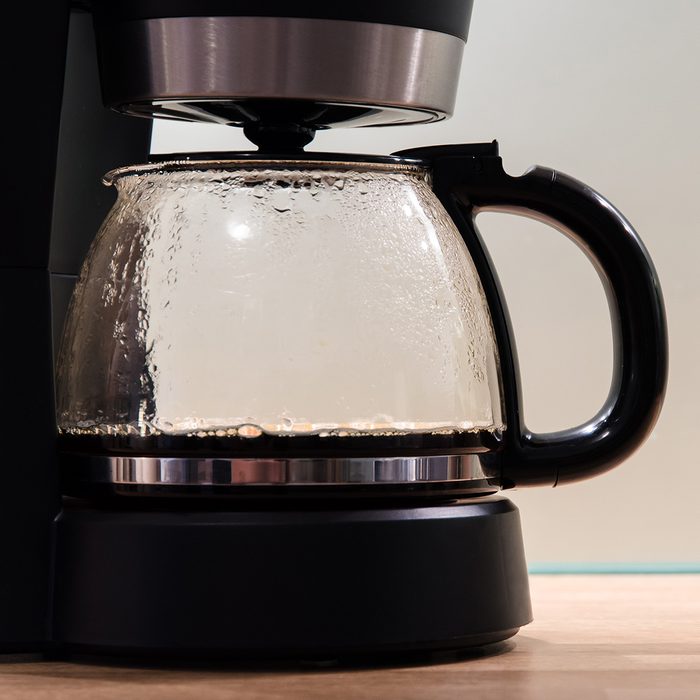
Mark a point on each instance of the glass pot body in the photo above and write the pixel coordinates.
(237, 299)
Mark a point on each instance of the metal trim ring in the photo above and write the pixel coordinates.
(185, 59)
(215, 471)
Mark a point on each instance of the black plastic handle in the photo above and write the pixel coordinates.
(469, 179)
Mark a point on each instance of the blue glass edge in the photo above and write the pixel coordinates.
(614, 568)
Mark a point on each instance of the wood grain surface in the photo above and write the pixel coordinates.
(608, 637)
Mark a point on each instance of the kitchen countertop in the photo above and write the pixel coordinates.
(618, 637)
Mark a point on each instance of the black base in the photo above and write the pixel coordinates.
(289, 583)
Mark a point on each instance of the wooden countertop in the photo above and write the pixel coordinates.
(612, 637)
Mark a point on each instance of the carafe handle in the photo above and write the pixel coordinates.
(470, 179)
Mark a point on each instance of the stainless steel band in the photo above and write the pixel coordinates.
(403, 74)
(210, 471)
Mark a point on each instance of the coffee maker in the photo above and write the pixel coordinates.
(390, 543)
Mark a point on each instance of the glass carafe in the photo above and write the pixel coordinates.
(248, 300)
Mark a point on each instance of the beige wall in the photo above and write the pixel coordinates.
(608, 91)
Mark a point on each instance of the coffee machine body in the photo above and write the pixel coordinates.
(54, 203)
(276, 547)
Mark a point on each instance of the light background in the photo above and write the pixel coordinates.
(609, 92)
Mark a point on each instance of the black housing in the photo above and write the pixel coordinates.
(446, 16)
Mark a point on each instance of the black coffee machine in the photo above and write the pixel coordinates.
(393, 544)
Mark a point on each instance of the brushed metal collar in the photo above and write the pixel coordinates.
(182, 67)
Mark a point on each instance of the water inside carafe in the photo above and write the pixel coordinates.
(381, 427)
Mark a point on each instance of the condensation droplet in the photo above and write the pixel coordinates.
(249, 431)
